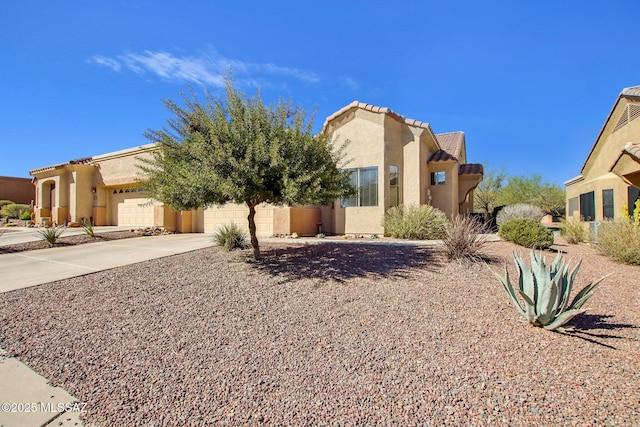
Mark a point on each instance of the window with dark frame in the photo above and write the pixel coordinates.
(438, 178)
(632, 195)
(607, 204)
(588, 206)
(394, 186)
(365, 181)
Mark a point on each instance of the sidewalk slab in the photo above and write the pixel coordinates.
(30, 268)
(27, 399)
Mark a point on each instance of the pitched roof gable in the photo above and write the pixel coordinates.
(630, 92)
(380, 110)
(451, 144)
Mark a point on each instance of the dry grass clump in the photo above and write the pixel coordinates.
(620, 241)
(574, 231)
(464, 239)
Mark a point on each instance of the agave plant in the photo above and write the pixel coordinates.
(546, 291)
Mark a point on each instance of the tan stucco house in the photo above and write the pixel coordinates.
(393, 161)
(610, 177)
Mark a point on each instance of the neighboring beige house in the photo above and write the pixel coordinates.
(394, 161)
(105, 190)
(18, 190)
(610, 177)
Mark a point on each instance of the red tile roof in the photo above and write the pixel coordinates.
(631, 91)
(633, 149)
(451, 144)
(471, 169)
(381, 110)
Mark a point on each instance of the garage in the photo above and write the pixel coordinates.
(130, 207)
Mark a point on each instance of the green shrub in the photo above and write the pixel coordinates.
(620, 241)
(14, 210)
(574, 231)
(51, 234)
(420, 222)
(519, 210)
(545, 292)
(26, 216)
(526, 232)
(231, 237)
(3, 203)
(464, 239)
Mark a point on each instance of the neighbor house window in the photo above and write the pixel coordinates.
(438, 178)
(632, 195)
(574, 205)
(587, 206)
(365, 181)
(607, 204)
(394, 186)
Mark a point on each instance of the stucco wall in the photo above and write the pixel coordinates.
(445, 196)
(18, 190)
(214, 217)
(366, 134)
(604, 182)
(121, 167)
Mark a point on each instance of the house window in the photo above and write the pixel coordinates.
(607, 204)
(394, 186)
(632, 195)
(587, 206)
(438, 178)
(365, 181)
(574, 205)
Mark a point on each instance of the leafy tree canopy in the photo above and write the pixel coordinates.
(533, 190)
(237, 149)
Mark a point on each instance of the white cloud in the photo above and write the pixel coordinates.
(205, 69)
(107, 62)
(351, 83)
(169, 67)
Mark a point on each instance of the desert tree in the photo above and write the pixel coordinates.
(487, 194)
(535, 191)
(236, 149)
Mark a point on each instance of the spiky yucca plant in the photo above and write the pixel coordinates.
(51, 234)
(230, 237)
(87, 227)
(546, 291)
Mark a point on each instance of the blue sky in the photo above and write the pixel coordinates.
(530, 83)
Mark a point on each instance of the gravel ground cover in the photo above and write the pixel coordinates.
(68, 241)
(328, 335)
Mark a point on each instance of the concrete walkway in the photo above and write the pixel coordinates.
(26, 398)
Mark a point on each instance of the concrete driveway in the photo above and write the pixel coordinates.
(30, 268)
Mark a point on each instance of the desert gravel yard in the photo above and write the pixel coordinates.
(331, 334)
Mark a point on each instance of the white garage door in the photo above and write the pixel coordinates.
(131, 209)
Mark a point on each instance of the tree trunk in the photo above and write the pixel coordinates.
(252, 231)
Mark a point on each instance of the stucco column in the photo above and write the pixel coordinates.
(415, 163)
